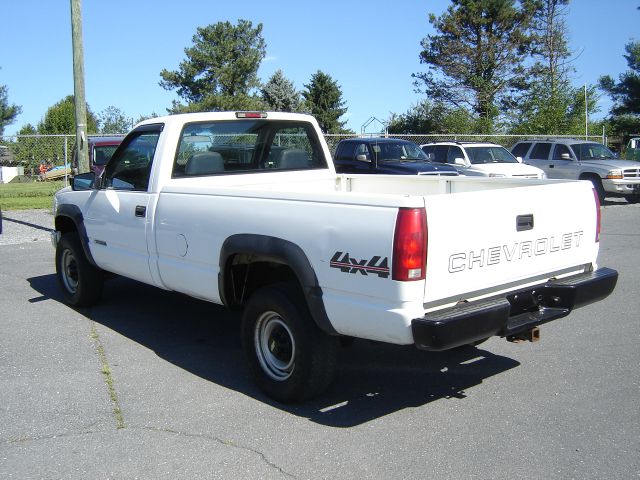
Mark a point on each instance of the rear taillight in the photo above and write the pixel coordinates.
(598, 217)
(410, 245)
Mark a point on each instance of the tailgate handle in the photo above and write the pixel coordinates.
(524, 222)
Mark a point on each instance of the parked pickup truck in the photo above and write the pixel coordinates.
(252, 215)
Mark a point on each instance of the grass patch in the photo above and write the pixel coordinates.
(21, 196)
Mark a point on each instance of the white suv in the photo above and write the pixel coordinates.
(583, 160)
(480, 159)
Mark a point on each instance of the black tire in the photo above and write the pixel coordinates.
(81, 282)
(632, 198)
(289, 357)
(597, 184)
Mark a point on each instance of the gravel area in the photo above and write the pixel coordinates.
(25, 226)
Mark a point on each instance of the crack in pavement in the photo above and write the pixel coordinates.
(226, 443)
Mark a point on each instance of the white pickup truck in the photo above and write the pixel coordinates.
(245, 209)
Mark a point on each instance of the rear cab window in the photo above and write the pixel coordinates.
(242, 146)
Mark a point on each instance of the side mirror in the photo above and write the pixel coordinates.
(362, 158)
(565, 156)
(83, 181)
(460, 162)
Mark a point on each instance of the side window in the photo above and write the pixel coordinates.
(540, 151)
(130, 167)
(440, 153)
(428, 150)
(453, 153)
(521, 149)
(345, 152)
(558, 150)
(362, 150)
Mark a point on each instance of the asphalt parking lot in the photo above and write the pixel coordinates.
(151, 384)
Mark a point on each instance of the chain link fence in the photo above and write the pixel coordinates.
(32, 151)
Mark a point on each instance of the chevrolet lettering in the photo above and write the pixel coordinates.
(527, 249)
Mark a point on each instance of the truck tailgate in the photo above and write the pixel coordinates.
(483, 242)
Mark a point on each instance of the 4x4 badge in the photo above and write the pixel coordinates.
(347, 264)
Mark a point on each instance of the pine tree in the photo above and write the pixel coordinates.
(8, 113)
(476, 58)
(323, 99)
(221, 68)
(280, 94)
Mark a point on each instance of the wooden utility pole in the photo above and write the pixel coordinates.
(78, 86)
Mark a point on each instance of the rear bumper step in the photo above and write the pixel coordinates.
(511, 313)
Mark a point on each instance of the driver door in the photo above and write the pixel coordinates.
(563, 167)
(116, 217)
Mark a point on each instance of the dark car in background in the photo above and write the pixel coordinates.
(390, 156)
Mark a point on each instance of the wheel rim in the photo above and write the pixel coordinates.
(69, 271)
(275, 346)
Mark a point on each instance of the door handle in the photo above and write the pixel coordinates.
(141, 211)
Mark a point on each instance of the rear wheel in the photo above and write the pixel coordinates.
(80, 281)
(289, 357)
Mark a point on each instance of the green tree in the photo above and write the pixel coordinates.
(625, 112)
(280, 94)
(25, 148)
(113, 120)
(60, 119)
(145, 117)
(543, 108)
(430, 117)
(222, 65)
(221, 103)
(565, 117)
(476, 58)
(8, 113)
(323, 99)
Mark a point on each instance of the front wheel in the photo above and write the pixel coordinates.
(80, 281)
(289, 357)
(632, 198)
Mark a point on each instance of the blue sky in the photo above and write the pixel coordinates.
(371, 48)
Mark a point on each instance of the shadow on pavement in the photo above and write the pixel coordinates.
(373, 379)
